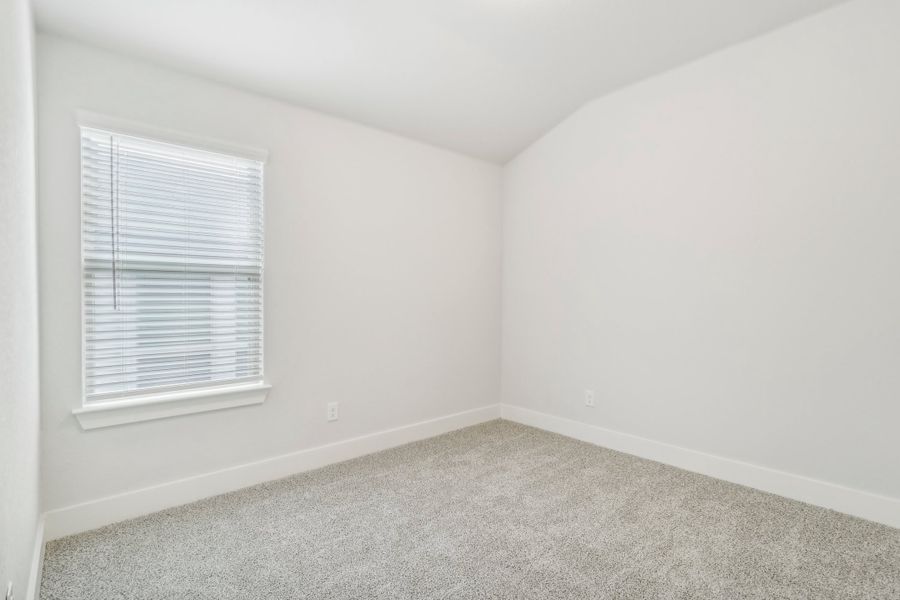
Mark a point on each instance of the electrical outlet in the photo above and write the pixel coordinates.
(332, 411)
(589, 398)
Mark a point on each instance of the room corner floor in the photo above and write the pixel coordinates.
(498, 510)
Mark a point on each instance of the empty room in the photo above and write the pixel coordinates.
(450, 299)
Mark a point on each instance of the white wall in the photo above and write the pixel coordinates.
(19, 405)
(716, 252)
(382, 278)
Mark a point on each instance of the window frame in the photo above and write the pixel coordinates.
(138, 405)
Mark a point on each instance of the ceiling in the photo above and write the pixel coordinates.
(483, 77)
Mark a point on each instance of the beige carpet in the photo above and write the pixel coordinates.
(494, 511)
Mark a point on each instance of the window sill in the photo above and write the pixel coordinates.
(172, 404)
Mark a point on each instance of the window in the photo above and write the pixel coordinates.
(172, 254)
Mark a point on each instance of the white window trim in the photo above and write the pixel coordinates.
(148, 407)
(85, 118)
(160, 405)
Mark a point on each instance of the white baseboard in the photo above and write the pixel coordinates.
(97, 513)
(881, 509)
(104, 511)
(37, 563)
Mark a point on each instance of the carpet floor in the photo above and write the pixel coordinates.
(498, 510)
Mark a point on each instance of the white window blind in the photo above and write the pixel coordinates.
(172, 250)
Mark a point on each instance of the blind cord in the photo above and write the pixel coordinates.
(113, 224)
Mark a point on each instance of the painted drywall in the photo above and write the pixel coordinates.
(19, 397)
(381, 278)
(715, 252)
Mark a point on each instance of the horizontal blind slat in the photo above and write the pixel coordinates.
(105, 350)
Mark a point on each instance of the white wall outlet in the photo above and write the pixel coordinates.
(589, 398)
(332, 411)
